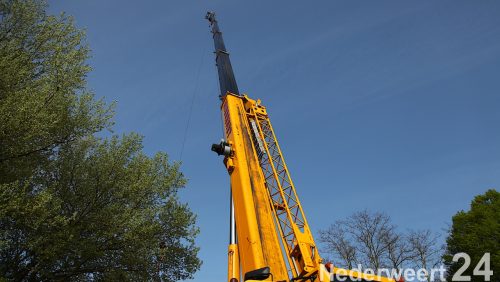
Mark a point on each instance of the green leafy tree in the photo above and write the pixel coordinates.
(43, 99)
(74, 206)
(102, 210)
(476, 232)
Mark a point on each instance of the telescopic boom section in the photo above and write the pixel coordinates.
(256, 250)
(273, 239)
(227, 80)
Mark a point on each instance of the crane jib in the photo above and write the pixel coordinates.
(227, 81)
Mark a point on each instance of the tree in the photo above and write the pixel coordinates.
(103, 210)
(43, 99)
(74, 206)
(399, 250)
(476, 232)
(370, 231)
(361, 238)
(336, 242)
(372, 240)
(426, 253)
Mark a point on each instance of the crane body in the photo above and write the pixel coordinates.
(270, 238)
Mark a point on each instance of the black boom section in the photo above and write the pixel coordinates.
(227, 81)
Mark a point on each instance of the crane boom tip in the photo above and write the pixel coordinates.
(210, 16)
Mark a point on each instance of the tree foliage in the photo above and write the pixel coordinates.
(44, 102)
(476, 232)
(74, 206)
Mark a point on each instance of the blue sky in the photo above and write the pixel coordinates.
(388, 106)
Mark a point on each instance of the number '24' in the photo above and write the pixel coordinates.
(486, 272)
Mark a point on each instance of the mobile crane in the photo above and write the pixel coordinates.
(270, 238)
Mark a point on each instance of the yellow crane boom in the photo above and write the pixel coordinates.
(270, 238)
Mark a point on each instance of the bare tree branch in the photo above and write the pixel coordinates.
(337, 243)
(426, 253)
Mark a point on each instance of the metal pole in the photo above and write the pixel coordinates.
(232, 222)
(233, 258)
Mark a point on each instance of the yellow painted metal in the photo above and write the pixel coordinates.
(297, 239)
(233, 265)
(258, 242)
(271, 225)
